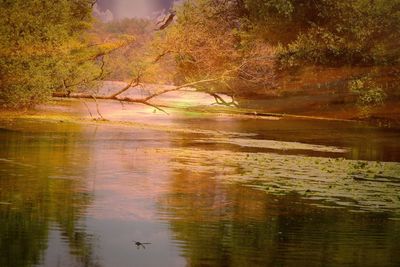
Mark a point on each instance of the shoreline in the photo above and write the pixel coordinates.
(60, 110)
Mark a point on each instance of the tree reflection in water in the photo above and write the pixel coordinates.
(233, 225)
(140, 179)
(38, 197)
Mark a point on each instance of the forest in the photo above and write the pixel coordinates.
(247, 49)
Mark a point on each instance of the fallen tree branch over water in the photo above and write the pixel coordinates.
(220, 101)
(134, 83)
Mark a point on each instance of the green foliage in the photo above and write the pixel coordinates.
(265, 10)
(36, 38)
(369, 94)
(211, 40)
(250, 41)
(124, 64)
(340, 32)
(327, 32)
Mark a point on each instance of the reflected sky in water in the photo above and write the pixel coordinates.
(77, 195)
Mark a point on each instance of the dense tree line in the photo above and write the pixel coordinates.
(35, 44)
(237, 45)
(45, 47)
(247, 41)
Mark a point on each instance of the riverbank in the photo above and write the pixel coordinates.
(137, 115)
(325, 103)
(311, 94)
(325, 92)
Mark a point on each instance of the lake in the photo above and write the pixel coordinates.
(203, 191)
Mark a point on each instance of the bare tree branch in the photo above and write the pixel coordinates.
(100, 76)
(97, 107)
(160, 56)
(220, 101)
(145, 100)
(166, 21)
(180, 87)
(88, 109)
(93, 3)
(133, 83)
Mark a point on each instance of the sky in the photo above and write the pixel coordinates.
(119, 9)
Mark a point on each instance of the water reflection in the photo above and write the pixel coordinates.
(236, 226)
(363, 142)
(41, 193)
(78, 195)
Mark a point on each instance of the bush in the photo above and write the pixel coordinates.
(369, 94)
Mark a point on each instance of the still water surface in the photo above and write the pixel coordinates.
(242, 192)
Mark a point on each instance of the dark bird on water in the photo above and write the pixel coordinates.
(140, 244)
(166, 21)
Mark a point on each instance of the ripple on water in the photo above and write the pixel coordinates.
(335, 181)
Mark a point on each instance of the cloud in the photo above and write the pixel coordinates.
(105, 16)
(134, 8)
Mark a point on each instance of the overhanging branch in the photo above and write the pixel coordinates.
(133, 83)
(145, 101)
(180, 87)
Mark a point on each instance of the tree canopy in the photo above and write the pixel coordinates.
(39, 44)
(237, 45)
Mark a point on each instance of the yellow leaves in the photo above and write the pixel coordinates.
(85, 52)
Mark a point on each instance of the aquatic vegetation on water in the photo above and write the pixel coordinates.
(357, 185)
(273, 144)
